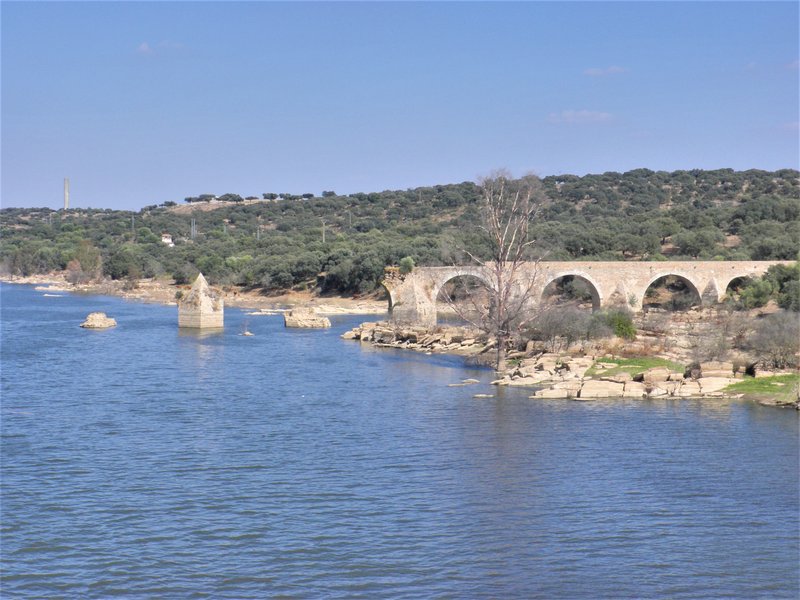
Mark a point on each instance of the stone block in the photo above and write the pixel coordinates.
(656, 374)
(618, 378)
(689, 389)
(384, 336)
(657, 392)
(634, 389)
(525, 381)
(306, 318)
(709, 385)
(725, 367)
(550, 394)
(601, 389)
(573, 387)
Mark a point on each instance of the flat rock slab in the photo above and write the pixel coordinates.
(523, 381)
(552, 394)
(305, 318)
(710, 385)
(601, 389)
(689, 389)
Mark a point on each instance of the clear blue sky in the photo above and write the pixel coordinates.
(139, 103)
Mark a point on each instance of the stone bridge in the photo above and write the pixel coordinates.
(412, 297)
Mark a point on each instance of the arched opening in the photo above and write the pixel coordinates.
(734, 288)
(382, 293)
(463, 299)
(573, 291)
(672, 293)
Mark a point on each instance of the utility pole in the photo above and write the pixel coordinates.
(193, 231)
(323, 229)
(133, 227)
(66, 193)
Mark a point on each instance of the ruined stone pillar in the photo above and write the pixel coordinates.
(201, 308)
(410, 302)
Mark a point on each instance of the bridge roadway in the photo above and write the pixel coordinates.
(413, 296)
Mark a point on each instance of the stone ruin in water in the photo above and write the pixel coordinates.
(305, 317)
(201, 308)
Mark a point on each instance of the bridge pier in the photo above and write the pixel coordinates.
(410, 297)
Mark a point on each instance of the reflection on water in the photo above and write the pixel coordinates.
(200, 334)
(204, 347)
(293, 463)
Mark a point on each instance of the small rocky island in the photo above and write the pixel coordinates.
(98, 320)
(303, 317)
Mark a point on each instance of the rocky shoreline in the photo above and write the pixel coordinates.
(580, 374)
(583, 376)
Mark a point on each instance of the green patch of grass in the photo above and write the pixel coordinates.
(777, 387)
(633, 366)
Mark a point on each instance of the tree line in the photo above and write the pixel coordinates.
(278, 244)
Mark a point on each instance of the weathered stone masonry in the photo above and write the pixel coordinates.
(413, 296)
(201, 308)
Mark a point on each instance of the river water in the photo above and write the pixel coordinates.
(142, 462)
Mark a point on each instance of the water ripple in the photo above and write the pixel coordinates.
(144, 463)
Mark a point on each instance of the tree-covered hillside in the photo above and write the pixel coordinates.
(342, 243)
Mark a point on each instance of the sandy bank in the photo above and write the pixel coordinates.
(163, 291)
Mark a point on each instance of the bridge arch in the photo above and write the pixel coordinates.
(389, 295)
(413, 295)
(475, 282)
(690, 283)
(594, 289)
(731, 283)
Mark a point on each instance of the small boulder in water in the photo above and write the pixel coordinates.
(98, 320)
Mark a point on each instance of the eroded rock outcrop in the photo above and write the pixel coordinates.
(658, 382)
(98, 320)
(575, 373)
(453, 340)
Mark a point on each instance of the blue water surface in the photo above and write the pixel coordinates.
(144, 462)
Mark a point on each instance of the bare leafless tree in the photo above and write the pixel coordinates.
(509, 267)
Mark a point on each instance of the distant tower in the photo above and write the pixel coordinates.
(66, 193)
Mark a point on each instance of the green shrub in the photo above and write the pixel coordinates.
(621, 323)
(756, 293)
(406, 265)
(789, 298)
